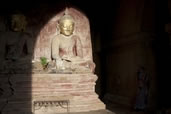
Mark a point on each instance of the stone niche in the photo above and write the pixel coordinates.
(52, 92)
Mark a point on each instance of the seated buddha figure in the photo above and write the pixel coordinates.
(16, 44)
(67, 48)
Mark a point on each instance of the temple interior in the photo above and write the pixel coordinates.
(125, 34)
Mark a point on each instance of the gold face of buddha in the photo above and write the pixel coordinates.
(18, 23)
(66, 27)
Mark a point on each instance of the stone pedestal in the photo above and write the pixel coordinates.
(50, 93)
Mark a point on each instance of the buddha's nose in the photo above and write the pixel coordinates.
(68, 28)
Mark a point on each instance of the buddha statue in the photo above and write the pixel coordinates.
(67, 48)
(20, 46)
(17, 45)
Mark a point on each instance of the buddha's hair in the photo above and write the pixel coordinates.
(65, 17)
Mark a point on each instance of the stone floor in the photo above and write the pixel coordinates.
(110, 112)
(96, 112)
(116, 110)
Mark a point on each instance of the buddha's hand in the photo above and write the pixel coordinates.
(66, 58)
(60, 64)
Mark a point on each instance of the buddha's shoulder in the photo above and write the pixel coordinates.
(60, 37)
(57, 37)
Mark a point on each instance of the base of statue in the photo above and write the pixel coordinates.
(49, 93)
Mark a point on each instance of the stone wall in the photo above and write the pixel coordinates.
(131, 46)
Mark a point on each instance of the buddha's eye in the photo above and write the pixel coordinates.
(70, 26)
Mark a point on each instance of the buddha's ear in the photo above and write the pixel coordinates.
(57, 25)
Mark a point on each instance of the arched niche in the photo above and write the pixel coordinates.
(82, 29)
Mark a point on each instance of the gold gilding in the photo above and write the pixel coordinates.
(18, 22)
(66, 25)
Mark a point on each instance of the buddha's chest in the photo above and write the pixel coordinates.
(13, 38)
(67, 44)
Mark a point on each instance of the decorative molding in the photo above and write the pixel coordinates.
(49, 103)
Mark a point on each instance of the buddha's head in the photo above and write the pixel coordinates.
(18, 22)
(66, 25)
